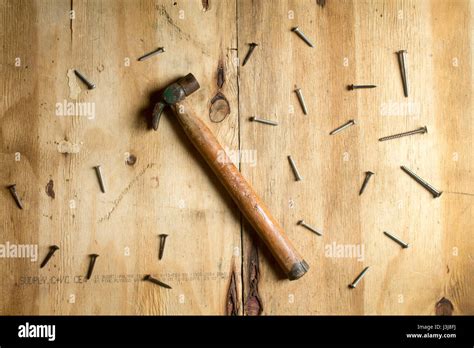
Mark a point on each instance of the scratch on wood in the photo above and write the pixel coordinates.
(71, 19)
(321, 3)
(444, 307)
(74, 88)
(220, 74)
(125, 191)
(220, 108)
(205, 5)
(253, 304)
(180, 32)
(50, 189)
(232, 301)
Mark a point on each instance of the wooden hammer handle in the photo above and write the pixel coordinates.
(241, 192)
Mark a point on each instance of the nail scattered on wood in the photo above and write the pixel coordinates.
(84, 79)
(344, 126)
(14, 193)
(252, 46)
(52, 250)
(297, 174)
(149, 278)
(151, 54)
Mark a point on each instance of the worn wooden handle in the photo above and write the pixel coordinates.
(242, 193)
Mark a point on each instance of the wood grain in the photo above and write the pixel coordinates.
(157, 182)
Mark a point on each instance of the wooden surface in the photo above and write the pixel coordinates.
(157, 183)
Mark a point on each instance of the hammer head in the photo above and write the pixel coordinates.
(173, 94)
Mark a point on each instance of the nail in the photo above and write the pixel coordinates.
(252, 46)
(301, 99)
(312, 229)
(402, 62)
(89, 84)
(422, 182)
(149, 278)
(295, 170)
(344, 126)
(52, 250)
(152, 53)
(261, 120)
(396, 239)
(359, 277)
(162, 245)
(91, 265)
(366, 181)
(352, 87)
(12, 189)
(101, 179)
(302, 36)
(421, 130)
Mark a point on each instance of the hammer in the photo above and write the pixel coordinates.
(239, 189)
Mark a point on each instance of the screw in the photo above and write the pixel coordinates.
(261, 120)
(162, 245)
(344, 126)
(301, 99)
(99, 176)
(295, 170)
(12, 189)
(352, 87)
(358, 278)
(52, 250)
(302, 36)
(402, 61)
(156, 281)
(252, 46)
(421, 130)
(152, 53)
(89, 84)
(91, 265)
(312, 229)
(396, 239)
(422, 182)
(366, 181)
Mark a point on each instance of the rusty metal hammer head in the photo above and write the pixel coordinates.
(172, 94)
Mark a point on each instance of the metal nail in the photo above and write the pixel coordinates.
(98, 170)
(261, 120)
(312, 229)
(91, 265)
(152, 53)
(368, 174)
(396, 239)
(352, 87)
(358, 278)
(402, 62)
(252, 46)
(301, 100)
(422, 182)
(149, 278)
(421, 130)
(295, 170)
(344, 126)
(302, 36)
(52, 250)
(15, 196)
(89, 84)
(162, 245)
